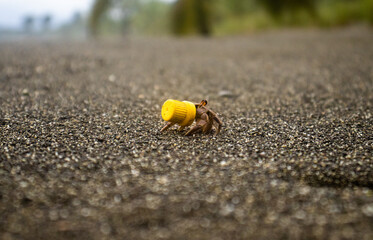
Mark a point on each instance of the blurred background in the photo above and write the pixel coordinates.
(108, 18)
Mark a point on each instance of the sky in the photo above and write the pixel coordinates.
(12, 12)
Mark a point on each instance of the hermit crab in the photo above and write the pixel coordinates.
(185, 113)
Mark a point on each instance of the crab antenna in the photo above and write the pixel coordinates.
(203, 102)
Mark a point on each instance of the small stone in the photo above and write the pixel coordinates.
(226, 94)
(117, 198)
(85, 212)
(23, 184)
(105, 228)
(53, 215)
(39, 69)
(368, 210)
(112, 78)
(163, 180)
(135, 172)
(25, 92)
(227, 209)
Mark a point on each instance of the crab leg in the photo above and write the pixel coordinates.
(167, 126)
(194, 129)
(217, 122)
(207, 124)
(217, 125)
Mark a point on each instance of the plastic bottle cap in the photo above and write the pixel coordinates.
(182, 113)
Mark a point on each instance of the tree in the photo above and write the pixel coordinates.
(28, 24)
(99, 8)
(278, 7)
(46, 23)
(192, 17)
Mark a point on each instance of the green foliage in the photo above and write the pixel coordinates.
(239, 7)
(109, 26)
(342, 12)
(279, 7)
(232, 17)
(137, 16)
(222, 17)
(152, 18)
(256, 21)
(367, 10)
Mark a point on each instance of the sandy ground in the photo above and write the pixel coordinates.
(81, 155)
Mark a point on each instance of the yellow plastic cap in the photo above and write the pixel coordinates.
(182, 113)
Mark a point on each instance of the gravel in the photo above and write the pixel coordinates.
(81, 155)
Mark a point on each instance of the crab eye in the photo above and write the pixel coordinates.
(204, 102)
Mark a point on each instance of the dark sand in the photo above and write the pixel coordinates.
(81, 155)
